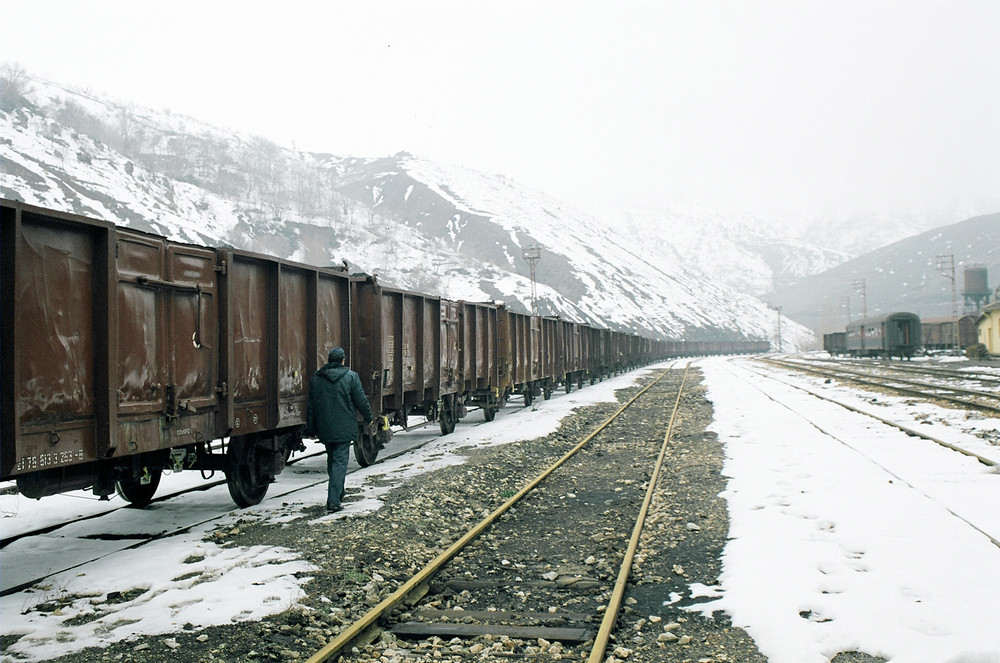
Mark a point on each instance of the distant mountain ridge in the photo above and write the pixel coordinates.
(738, 250)
(903, 276)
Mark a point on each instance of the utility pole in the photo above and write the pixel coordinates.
(861, 289)
(532, 254)
(778, 309)
(946, 265)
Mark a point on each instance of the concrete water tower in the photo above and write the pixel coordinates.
(977, 288)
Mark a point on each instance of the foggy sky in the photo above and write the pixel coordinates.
(793, 106)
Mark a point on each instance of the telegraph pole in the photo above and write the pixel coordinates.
(946, 265)
(532, 254)
(861, 289)
(778, 310)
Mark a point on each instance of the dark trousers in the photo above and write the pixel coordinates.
(337, 454)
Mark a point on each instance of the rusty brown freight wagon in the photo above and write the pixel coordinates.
(277, 321)
(553, 357)
(480, 357)
(125, 354)
(574, 366)
(598, 364)
(407, 351)
(520, 353)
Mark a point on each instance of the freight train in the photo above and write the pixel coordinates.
(126, 354)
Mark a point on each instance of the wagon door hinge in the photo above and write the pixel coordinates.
(222, 391)
(171, 403)
(222, 268)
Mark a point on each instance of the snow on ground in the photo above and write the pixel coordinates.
(190, 580)
(845, 535)
(848, 535)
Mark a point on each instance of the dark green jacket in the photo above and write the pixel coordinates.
(335, 397)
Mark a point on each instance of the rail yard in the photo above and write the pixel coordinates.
(656, 332)
(291, 583)
(621, 498)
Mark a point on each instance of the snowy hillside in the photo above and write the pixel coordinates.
(903, 276)
(585, 267)
(743, 252)
(418, 224)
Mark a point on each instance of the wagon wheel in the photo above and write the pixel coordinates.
(490, 407)
(528, 395)
(136, 493)
(366, 447)
(448, 417)
(547, 391)
(243, 461)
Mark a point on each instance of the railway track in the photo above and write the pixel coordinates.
(986, 379)
(909, 430)
(23, 570)
(983, 379)
(484, 585)
(986, 399)
(921, 479)
(13, 534)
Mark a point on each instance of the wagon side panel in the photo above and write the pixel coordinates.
(167, 331)
(505, 357)
(333, 318)
(390, 313)
(294, 350)
(56, 376)
(252, 363)
(451, 347)
(429, 349)
(365, 354)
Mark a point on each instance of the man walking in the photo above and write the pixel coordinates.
(335, 398)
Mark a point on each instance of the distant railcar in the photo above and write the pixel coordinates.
(890, 335)
(940, 333)
(835, 343)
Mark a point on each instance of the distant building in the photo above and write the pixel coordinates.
(988, 326)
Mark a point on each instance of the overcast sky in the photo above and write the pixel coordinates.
(767, 105)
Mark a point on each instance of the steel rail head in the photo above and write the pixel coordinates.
(864, 378)
(909, 431)
(614, 604)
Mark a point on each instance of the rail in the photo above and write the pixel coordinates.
(368, 626)
(867, 379)
(909, 431)
(906, 429)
